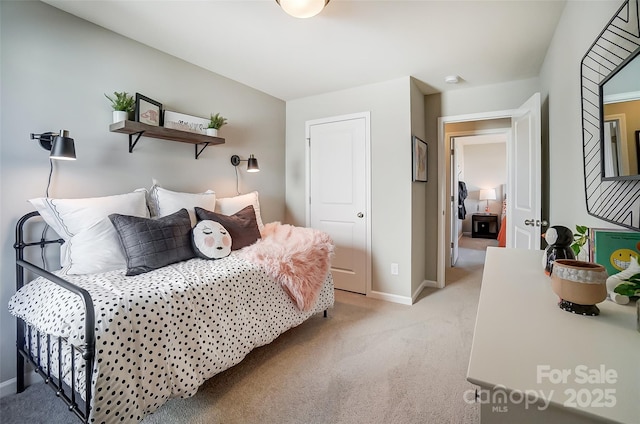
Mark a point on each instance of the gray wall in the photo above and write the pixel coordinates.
(389, 104)
(432, 110)
(496, 97)
(55, 69)
(422, 266)
(485, 166)
(579, 26)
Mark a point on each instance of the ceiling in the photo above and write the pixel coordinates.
(350, 43)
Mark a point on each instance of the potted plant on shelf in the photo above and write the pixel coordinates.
(215, 123)
(122, 104)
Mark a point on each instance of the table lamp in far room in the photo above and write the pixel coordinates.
(487, 194)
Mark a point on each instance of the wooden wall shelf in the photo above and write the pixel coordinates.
(133, 128)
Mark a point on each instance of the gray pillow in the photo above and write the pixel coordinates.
(242, 225)
(150, 244)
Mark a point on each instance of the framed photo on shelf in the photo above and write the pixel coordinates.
(420, 151)
(148, 111)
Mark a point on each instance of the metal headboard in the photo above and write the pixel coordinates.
(25, 349)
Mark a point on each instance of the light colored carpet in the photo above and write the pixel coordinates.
(370, 361)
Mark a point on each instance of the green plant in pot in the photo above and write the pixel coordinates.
(215, 123)
(580, 238)
(122, 104)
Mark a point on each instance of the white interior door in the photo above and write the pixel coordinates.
(524, 199)
(338, 152)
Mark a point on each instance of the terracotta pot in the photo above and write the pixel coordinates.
(578, 282)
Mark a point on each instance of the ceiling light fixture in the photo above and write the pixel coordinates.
(302, 8)
(452, 79)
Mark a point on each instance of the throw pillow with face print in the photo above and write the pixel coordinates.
(211, 240)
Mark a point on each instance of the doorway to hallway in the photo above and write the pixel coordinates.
(524, 207)
(471, 256)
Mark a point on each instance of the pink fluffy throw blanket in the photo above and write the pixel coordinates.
(296, 257)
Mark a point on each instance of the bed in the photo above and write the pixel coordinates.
(116, 343)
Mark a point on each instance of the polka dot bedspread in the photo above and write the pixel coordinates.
(161, 334)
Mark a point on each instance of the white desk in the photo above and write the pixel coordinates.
(523, 342)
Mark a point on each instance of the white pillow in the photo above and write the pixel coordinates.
(68, 217)
(96, 249)
(231, 205)
(84, 218)
(165, 202)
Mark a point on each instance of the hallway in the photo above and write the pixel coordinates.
(471, 255)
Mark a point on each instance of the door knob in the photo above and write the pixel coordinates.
(360, 214)
(529, 222)
(542, 223)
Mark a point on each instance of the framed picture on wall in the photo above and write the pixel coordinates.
(148, 111)
(420, 151)
(182, 122)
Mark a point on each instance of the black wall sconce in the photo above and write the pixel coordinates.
(252, 162)
(62, 146)
(252, 166)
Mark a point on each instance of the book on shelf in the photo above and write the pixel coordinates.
(613, 248)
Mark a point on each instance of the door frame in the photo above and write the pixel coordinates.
(462, 134)
(444, 178)
(367, 178)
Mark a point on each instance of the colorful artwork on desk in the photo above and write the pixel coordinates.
(613, 249)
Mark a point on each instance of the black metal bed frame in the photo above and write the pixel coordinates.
(70, 395)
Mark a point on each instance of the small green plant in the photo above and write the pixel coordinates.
(122, 101)
(629, 287)
(580, 238)
(217, 121)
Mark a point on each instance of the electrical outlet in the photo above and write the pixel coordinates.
(394, 269)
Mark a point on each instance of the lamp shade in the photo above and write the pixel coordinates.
(487, 194)
(63, 147)
(302, 8)
(252, 164)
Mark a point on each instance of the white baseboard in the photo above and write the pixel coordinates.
(425, 284)
(404, 300)
(9, 387)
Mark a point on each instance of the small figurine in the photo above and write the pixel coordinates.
(559, 239)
